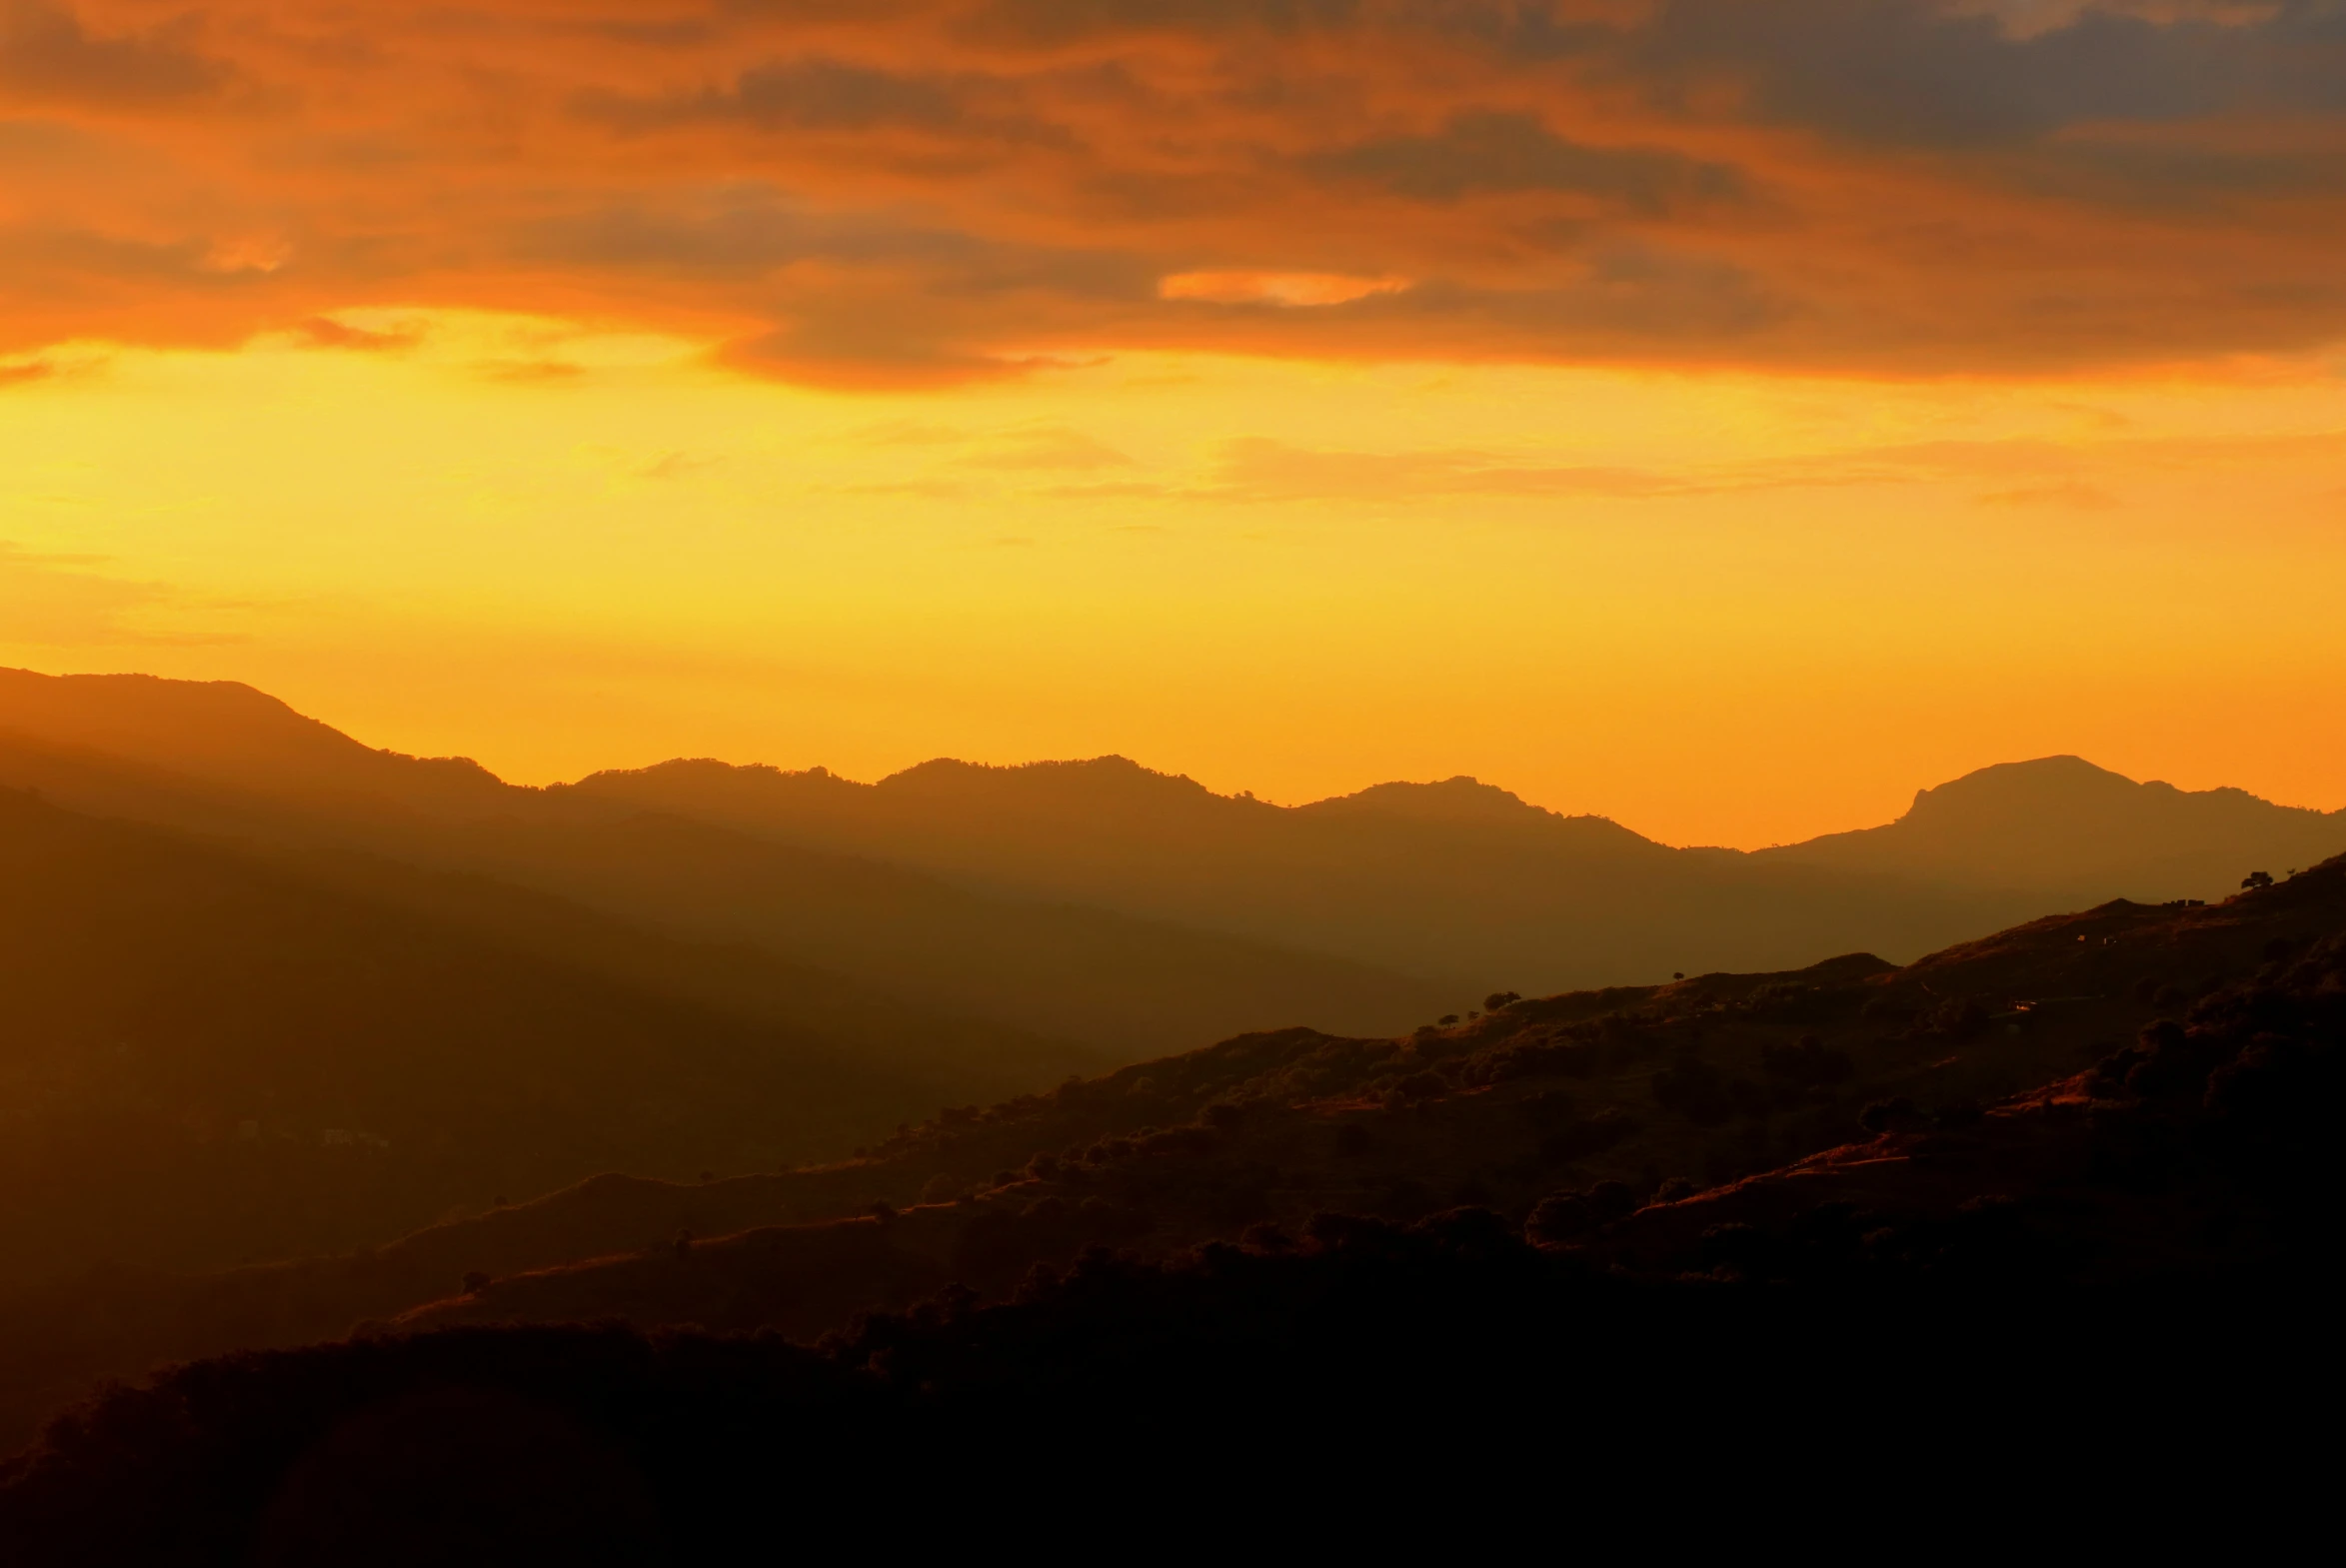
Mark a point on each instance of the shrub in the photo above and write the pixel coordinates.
(1892, 1116)
(1421, 1086)
(1807, 1063)
(1589, 1136)
(1557, 1221)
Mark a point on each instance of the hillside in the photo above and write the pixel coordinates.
(1595, 1117)
(208, 1057)
(2137, 1201)
(1614, 1099)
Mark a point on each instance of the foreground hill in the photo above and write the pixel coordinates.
(1587, 1115)
(227, 761)
(2150, 1225)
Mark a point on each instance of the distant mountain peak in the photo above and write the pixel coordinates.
(2049, 789)
(1460, 798)
(2063, 825)
(1095, 779)
(223, 729)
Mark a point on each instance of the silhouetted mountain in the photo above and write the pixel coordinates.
(227, 732)
(2061, 826)
(1127, 987)
(1459, 882)
(209, 1058)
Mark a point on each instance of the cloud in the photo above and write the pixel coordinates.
(1053, 449)
(48, 56)
(324, 332)
(675, 465)
(817, 94)
(1287, 289)
(909, 193)
(532, 372)
(2070, 496)
(1257, 469)
(17, 374)
(49, 601)
(1484, 151)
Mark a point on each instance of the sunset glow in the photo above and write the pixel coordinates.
(1658, 428)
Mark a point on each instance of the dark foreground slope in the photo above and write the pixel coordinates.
(1975, 1118)
(2126, 1260)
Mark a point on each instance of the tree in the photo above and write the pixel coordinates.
(2255, 880)
(1498, 1000)
(1892, 1116)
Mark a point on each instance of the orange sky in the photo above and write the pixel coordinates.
(1726, 418)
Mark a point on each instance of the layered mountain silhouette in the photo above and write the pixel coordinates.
(1781, 1189)
(277, 1001)
(1136, 910)
(2060, 827)
(1463, 879)
(208, 1058)
(232, 765)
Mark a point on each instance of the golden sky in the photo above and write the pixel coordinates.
(1725, 417)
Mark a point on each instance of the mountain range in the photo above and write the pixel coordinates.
(277, 993)
(306, 1037)
(1031, 894)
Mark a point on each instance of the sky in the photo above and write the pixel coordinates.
(1725, 417)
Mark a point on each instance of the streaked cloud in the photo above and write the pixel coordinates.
(938, 192)
(1056, 449)
(1239, 287)
(52, 601)
(48, 55)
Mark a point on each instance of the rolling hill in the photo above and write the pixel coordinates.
(1613, 1120)
(2158, 1217)
(209, 1058)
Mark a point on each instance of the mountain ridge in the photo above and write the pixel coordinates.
(1454, 886)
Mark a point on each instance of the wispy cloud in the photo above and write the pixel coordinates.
(57, 601)
(1051, 449)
